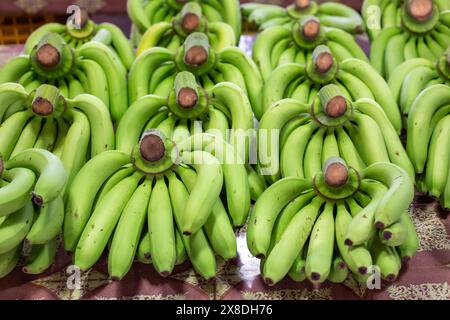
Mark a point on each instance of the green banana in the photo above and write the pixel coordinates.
(43, 257)
(17, 193)
(83, 190)
(52, 176)
(48, 223)
(102, 222)
(267, 209)
(161, 229)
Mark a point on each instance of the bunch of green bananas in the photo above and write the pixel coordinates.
(330, 14)
(93, 69)
(175, 186)
(356, 78)
(107, 33)
(379, 15)
(154, 71)
(73, 129)
(413, 76)
(144, 14)
(31, 209)
(428, 140)
(359, 132)
(190, 19)
(188, 109)
(425, 33)
(342, 219)
(279, 45)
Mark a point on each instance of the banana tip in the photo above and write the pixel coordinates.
(348, 242)
(269, 281)
(187, 233)
(38, 200)
(260, 256)
(115, 278)
(147, 255)
(362, 270)
(387, 235)
(315, 276)
(379, 225)
(391, 277)
(164, 274)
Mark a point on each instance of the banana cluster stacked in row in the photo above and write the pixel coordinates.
(279, 45)
(72, 129)
(191, 18)
(31, 210)
(154, 71)
(145, 14)
(330, 14)
(93, 69)
(340, 220)
(77, 33)
(356, 79)
(359, 132)
(162, 206)
(410, 29)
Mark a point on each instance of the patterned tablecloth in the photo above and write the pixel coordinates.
(427, 275)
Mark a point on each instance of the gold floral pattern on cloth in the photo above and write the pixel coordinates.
(289, 294)
(431, 230)
(31, 6)
(147, 297)
(226, 278)
(357, 288)
(424, 291)
(59, 283)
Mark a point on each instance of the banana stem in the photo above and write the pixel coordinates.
(196, 49)
(335, 104)
(302, 4)
(420, 10)
(152, 147)
(310, 28)
(186, 90)
(46, 100)
(48, 51)
(322, 59)
(191, 15)
(336, 172)
(52, 58)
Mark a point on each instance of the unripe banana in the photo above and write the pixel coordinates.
(101, 224)
(16, 226)
(48, 223)
(320, 248)
(17, 193)
(82, 193)
(161, 229)
(267, 209)
(43, 257)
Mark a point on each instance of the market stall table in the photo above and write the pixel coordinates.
(427, 275)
